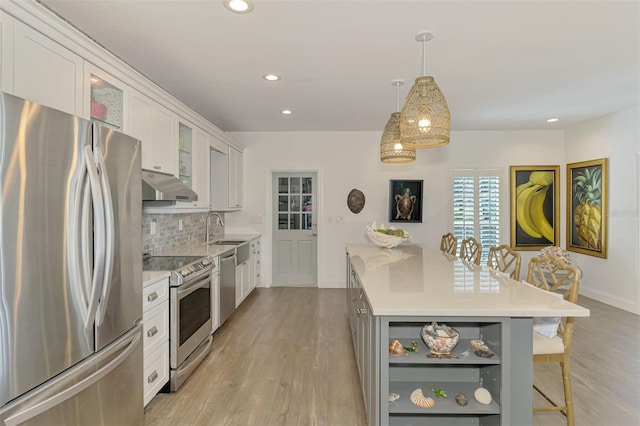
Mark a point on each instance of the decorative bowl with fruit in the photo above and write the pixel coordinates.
(386, 237)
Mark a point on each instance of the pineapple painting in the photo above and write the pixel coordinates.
(586, 227)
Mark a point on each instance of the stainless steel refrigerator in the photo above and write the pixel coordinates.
(70, 270)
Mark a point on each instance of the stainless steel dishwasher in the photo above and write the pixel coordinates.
(227, 285)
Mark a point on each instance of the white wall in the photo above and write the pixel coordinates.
(614, 280)
(347, 160)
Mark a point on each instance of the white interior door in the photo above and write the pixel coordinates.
(294, 229)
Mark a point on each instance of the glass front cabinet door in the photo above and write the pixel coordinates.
(185, 153)
(106, 103)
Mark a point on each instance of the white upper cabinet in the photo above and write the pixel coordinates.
(235, 178)
(185, 153)
(155, 126)
(226, 177)
(201, 168)
(104, 98)
(193, 163)
(35, 67)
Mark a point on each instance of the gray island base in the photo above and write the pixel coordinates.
(394, 293)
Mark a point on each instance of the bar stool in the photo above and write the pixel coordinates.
(550, 273)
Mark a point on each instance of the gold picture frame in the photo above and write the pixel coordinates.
(535, 207)
(587, 207)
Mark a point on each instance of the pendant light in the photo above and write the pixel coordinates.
(425, 120)
(391, 149)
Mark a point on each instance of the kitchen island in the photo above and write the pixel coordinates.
(393, 293)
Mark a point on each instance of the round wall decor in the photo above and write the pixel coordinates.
(355, 201)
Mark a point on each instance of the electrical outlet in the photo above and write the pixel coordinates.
(338, 219)
(180, 224)
(153, 227)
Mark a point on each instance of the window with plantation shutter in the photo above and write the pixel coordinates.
(476, 207)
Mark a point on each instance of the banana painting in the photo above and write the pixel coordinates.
(530, 198)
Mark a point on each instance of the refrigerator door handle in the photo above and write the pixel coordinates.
(99, 238)
(110, 238)
(76, 238)
(59, 397)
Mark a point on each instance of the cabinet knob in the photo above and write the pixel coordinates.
(152, 332)
(152, 377)
(153, 296)
(157, 167)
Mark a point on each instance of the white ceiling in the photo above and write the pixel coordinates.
(502, 65)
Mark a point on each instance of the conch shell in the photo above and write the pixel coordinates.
(418, 398)
(396, 348)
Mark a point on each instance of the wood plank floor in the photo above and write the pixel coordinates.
(285, 358)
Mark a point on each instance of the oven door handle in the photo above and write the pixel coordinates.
(186, 289)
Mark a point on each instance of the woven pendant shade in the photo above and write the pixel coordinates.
(425, 120)
(391, 150)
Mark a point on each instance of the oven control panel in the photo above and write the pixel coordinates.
(194, 269)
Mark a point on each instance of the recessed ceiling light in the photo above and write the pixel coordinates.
(286, 111)
(271, 77)
(552, 120)
(238, 6)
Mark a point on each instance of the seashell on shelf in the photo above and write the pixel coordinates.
(396, 348)
(418, 398)
(483, 396)
(461, 399)
(483, 353)
(476, 344)
(393, 397)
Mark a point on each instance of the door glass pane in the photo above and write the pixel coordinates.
(306, 221)
(282, 203)
(306, 185)
(282, 221)
(295, 221)
(283, 185)
(295, 203)
(295, 185)
(307, 206)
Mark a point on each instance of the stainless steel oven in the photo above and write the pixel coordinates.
(189, 312)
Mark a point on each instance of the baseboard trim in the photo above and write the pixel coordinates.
(610, 300)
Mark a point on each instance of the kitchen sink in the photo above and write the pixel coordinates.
(228, 242)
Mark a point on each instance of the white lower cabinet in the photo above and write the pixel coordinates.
(155, 323)
(243, 282)
(156, 372)
(254, 263)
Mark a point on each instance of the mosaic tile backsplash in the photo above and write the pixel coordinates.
(169, 236)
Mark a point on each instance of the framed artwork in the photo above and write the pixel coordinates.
(405, 201)
(587, 207)
(535, 207)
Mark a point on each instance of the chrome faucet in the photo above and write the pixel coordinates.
(219, 221)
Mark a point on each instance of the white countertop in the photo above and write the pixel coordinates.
(150, 277)
(413, 280)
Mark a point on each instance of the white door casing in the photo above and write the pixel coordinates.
(294, 227)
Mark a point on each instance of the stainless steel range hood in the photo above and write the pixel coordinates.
(157, 186)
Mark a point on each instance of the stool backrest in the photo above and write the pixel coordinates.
(471, 250)
(503, 258)
(449, 244)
